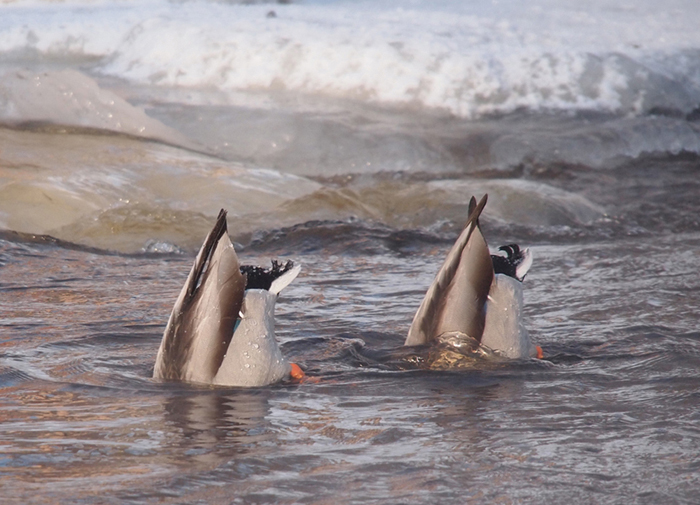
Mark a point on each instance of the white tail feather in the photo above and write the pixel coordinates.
(524, 266)
(284, 280)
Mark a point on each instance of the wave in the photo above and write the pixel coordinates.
(328, 143)
(122, 193)
(71, 98)
(468, 61)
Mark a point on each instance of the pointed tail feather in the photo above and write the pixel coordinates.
(205, 253)
(202, 321)
(456, 299)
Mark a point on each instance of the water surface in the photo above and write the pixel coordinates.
(349, 137)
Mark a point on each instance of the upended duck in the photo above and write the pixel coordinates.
(222, 328)
(476, 300)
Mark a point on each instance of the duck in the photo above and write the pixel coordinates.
(221, 330)
(475, 301)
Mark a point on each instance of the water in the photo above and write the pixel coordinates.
(348, 136)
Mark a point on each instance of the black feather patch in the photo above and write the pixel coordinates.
(262, 278)
(509, 264)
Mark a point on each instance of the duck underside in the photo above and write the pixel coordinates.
(474, 305)
(204, 315)
(221, 329)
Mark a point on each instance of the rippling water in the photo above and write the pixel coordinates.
(348, 136)
(610, 416)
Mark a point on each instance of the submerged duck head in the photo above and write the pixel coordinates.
(222, 327)
(476, 298)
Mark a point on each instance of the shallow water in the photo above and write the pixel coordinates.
(610, 416)
(349, 136)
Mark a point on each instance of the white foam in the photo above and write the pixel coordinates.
(467, 58)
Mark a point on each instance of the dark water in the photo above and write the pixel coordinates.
(610, 416)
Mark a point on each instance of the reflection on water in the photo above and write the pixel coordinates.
(610, 415)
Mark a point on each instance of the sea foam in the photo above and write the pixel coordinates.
(465, 59)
